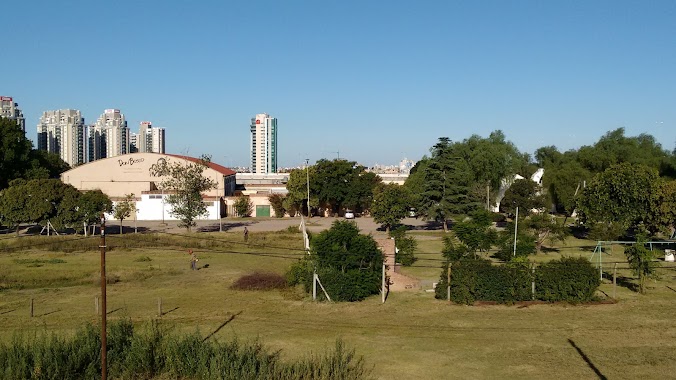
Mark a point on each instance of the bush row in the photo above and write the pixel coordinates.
(568, 279)
(156, 352)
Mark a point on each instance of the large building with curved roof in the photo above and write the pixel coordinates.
(133, 174)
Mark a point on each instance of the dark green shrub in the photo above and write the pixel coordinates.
(406, 246)
(352, 285)
(260, 281)
(568, 279)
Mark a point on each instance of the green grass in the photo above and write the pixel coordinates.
(411, 336)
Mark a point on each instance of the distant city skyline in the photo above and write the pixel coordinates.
(374, 81)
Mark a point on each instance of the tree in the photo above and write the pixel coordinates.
(545, 228)
(641, 262)
(563, 181)
(91, 205)
(446, 185)
(475, 232)
(124, 208)
(186, 182)
(38, 201)
(415, 183)
(340, 183)
(524, 194)
(243, 206)
(349, 263)
(390, 205)
(297, 190)
(625, 193)
(15, 150)
(405, 246)
(277, 202)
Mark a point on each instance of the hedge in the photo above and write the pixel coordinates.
(568, 279)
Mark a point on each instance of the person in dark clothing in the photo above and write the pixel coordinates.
(246, 234)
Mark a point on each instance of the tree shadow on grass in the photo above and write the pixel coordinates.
(587, 360)
(48, 313)
(232, 317)
(224, 227)
(627, 282)
(545, 249)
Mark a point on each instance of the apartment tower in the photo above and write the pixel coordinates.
(63, 132)
(109, 136)
(149, 139)
(263, 144)
(10, 110)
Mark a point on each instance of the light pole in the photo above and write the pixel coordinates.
(307, 171)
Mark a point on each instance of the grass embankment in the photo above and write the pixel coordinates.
(411, 336)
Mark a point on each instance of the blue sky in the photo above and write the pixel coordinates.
(374, 80)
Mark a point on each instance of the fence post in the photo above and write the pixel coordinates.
(159, 307)
(31, 308)
(615, 281)
(532, 286)
(448, 278)
(96, 305)
(314, 286)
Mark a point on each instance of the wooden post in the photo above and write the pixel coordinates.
(102, 245)
(448, 283)
(314, 286)
(615, 281)
(31, 308)
(96, 305)
(159, 307)
(532, 289)
(383, 284)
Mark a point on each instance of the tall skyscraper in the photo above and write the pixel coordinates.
(63, 132)
(263, 144)
(109, 136)
(148, 139)
(10, 110)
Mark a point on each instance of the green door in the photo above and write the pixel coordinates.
(263, 210)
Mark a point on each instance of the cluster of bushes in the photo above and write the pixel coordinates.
(568, 279)
(349, 264)
(155, 352)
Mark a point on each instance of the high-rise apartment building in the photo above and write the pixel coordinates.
(10, 110)
(263, 144)
(63, 132)
(109, 136)
(149, 139)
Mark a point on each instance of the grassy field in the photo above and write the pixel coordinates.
(411, 336)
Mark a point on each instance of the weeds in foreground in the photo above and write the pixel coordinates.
(155, 351)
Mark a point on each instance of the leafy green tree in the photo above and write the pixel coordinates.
(243, 206)
(564, 181)
(524, 194)
(91, 205)
(525, 243)
(390, 205)
(405, 246)
(124, 208)
(341, 183)
(37, 201)
(351, 259)
(15, 151)
(277, 202)
(446, 185)
(625, 193)
(641, 261)
(415, 183)
(545, 228)
(297, 190)
(476, 233)
(44, 165)
(186, 183)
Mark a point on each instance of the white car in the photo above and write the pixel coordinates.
(349, 214)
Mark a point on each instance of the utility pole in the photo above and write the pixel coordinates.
(307, 171)
(516, 228)
(102, 245)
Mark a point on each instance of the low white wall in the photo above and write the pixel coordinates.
(152, 209)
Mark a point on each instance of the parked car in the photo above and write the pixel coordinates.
(349, 214)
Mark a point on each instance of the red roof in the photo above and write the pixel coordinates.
(219, 168)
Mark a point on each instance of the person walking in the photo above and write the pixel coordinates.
(193, 260)
(246, 234)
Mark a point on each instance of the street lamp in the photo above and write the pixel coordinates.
(307, 171)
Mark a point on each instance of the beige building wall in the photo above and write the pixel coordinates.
(132, 173)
